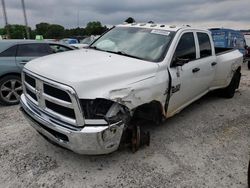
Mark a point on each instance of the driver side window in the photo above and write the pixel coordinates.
(186, 47)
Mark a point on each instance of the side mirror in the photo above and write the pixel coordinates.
(179, 62)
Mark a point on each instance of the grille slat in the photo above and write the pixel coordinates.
(57, 93)
(58, 101)
(60, 109)
(31, 81)
(28, 86)
(33, 96)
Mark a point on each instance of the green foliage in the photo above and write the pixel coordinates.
(54, 31)
(17, 31)
(42, 29)
(130, 20)
(2, 31)
(74, 32)
(95, 28)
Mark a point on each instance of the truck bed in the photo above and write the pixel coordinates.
(219, 51)
(227, 61)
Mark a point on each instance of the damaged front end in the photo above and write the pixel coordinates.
(110, 111)
(133, 135)
(108, 126)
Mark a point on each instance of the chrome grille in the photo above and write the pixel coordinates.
(57, 100)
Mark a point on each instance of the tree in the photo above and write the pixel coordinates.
(42, 29)
(95, 28)
(17, 31)
(50, 30)
(55, 31)
(130, 20)
(74, 32)
(2, 31)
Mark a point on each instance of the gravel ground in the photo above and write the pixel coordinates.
(206, 145)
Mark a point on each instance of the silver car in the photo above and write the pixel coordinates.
(14, 54)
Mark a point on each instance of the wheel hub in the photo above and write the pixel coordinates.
(11, 90)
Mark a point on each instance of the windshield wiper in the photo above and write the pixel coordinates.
(118, 52)
(93, 47)
(124, 54)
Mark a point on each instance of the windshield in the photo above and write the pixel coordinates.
(86, 40)
(140, 43)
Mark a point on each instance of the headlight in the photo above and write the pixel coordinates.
(104, 109)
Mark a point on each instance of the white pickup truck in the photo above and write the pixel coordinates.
(93, 100)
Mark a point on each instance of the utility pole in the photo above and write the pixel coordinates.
(5, 19)
(78, 18)
(25, 20)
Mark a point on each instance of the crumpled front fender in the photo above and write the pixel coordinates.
(138, 93)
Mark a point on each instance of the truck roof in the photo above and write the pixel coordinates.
(158, 26)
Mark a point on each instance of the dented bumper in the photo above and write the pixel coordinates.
(89, 140)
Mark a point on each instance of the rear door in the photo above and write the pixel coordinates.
(29, 51)
(7, 61)
(206, 60)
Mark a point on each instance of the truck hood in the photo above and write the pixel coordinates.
(92, 73)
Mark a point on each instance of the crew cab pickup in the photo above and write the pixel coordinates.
(94, 100)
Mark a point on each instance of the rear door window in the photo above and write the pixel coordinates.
(186, 47)
(205, 45)
(33, 50)
(10, 52)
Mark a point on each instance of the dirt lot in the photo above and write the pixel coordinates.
(206, 145)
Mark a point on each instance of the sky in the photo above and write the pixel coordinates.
(200, 13)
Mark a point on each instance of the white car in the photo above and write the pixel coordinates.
(92, 101)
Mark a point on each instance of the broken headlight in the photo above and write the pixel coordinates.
(109, 110)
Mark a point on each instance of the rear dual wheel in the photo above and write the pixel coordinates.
(10, 90)
(229, 91)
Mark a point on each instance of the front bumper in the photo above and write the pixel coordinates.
(89, 140)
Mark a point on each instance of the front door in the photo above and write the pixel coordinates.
(27, 52)
(188, 81)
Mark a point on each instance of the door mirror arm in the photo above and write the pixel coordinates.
(179, 62)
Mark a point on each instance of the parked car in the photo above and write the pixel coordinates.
(14, 54)
(69, 41)
(93, 101)
(86, 42)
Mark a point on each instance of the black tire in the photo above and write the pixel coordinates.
(248, 65)
(229, 91)
(10, 90)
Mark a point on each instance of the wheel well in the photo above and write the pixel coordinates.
(152, 111)
(239, 69)
(10, 74)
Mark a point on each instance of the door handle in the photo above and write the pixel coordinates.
(213, 64)
(196, 69)
(23, 62)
